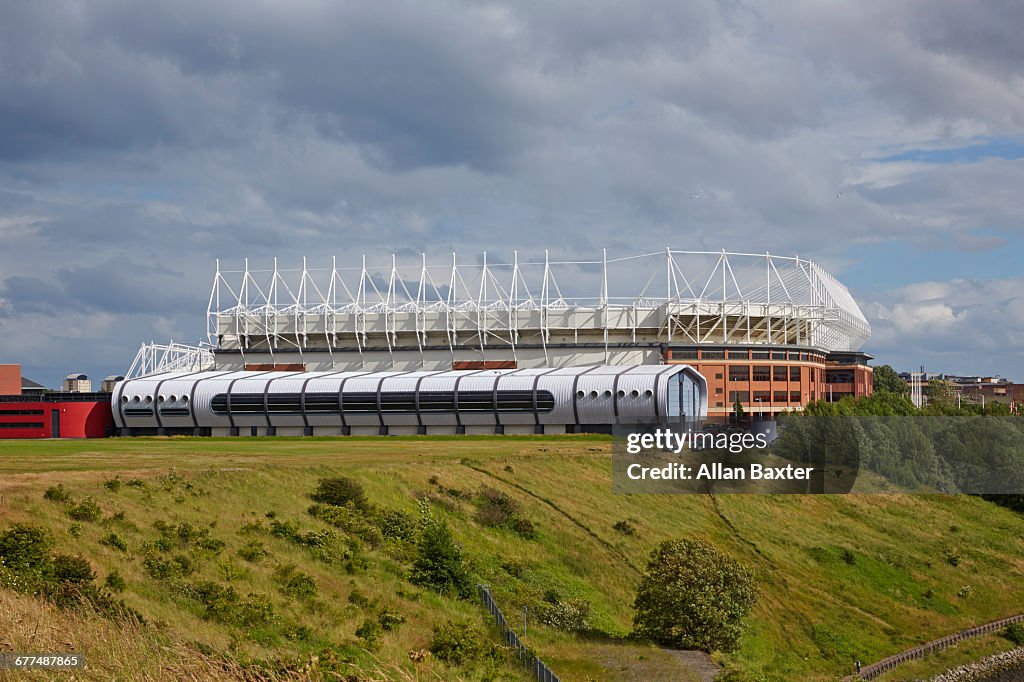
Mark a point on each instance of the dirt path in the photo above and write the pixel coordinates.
(699, 662)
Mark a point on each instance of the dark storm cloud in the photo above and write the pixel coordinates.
(139, 142)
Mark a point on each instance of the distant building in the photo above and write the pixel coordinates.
(29, 387)
(109, 382)
(77, 383)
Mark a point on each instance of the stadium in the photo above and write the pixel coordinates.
(509, 347)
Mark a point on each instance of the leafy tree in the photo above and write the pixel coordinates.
(940, 392)
(438, 562)
(886, 380)
(693, 597)
(340, 491)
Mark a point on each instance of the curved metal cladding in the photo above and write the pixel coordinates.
(481, 401)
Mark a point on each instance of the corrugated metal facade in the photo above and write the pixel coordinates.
(536, 400)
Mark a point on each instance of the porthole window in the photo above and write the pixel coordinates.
(607, 394)
(593, 394)
(160, 399)
(124, 399)
(580, 394)
(149, 398)
(136, 399)
(635, 393)
(184, 398)
(622, 394)
(173, 398)
(648, 393)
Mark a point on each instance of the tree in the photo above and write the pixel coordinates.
(438, 562)
(738, 411)
(693, 597)
(887, 380)
(940, 392)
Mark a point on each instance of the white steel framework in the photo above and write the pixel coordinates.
(680, 297)
(156, 358)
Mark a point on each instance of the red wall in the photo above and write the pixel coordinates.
(77, 419)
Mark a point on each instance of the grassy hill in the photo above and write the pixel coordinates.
(844, 577)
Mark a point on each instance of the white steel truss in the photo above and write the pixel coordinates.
(690, 297)
(156, 358)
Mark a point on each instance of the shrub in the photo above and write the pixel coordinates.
(570, 615)
(24, 547)
(212, 545)
(72, 569)
(57, 493)
(965, 592)
(114, 541)
(75, 529)
(495, 508)
(953, 558)
(253, 551)
(369, 631)
(693, 596)
(358, 598)
(114, 581)
(135, 483)
(112, 484)
(1015, 633)
(339, 492)
(460, 643)
(86, 510)
(524, 528)
(389, 620)
(295, 584)
(848, 557)
(438, 563)
(625, 527)
(398, 525)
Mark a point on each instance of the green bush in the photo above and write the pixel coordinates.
(340, 491)
(135, 483)
(625, 527)
(359, 522)
(389, 620)
(253, 551)
(524, 528)
(369, 631)
(495, 508)
(86, 510)
(438, 563)
(398, 525)
(114, 541)
(57, 493)
(461, 644)
(112, 484)
(115, 581)
(72, 569)
(570, 615)
(1015, 633)
(26, 548)
(693, 596)
(294, 583)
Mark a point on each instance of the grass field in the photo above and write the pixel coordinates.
(859, 576)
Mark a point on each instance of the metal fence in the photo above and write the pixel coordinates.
(870, 672)
(540, 670)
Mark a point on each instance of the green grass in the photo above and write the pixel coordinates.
(842, 577)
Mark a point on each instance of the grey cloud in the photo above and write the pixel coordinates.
(143, 141)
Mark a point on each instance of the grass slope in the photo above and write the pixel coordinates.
(858, 576)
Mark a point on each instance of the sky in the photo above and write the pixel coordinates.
(140, 142)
